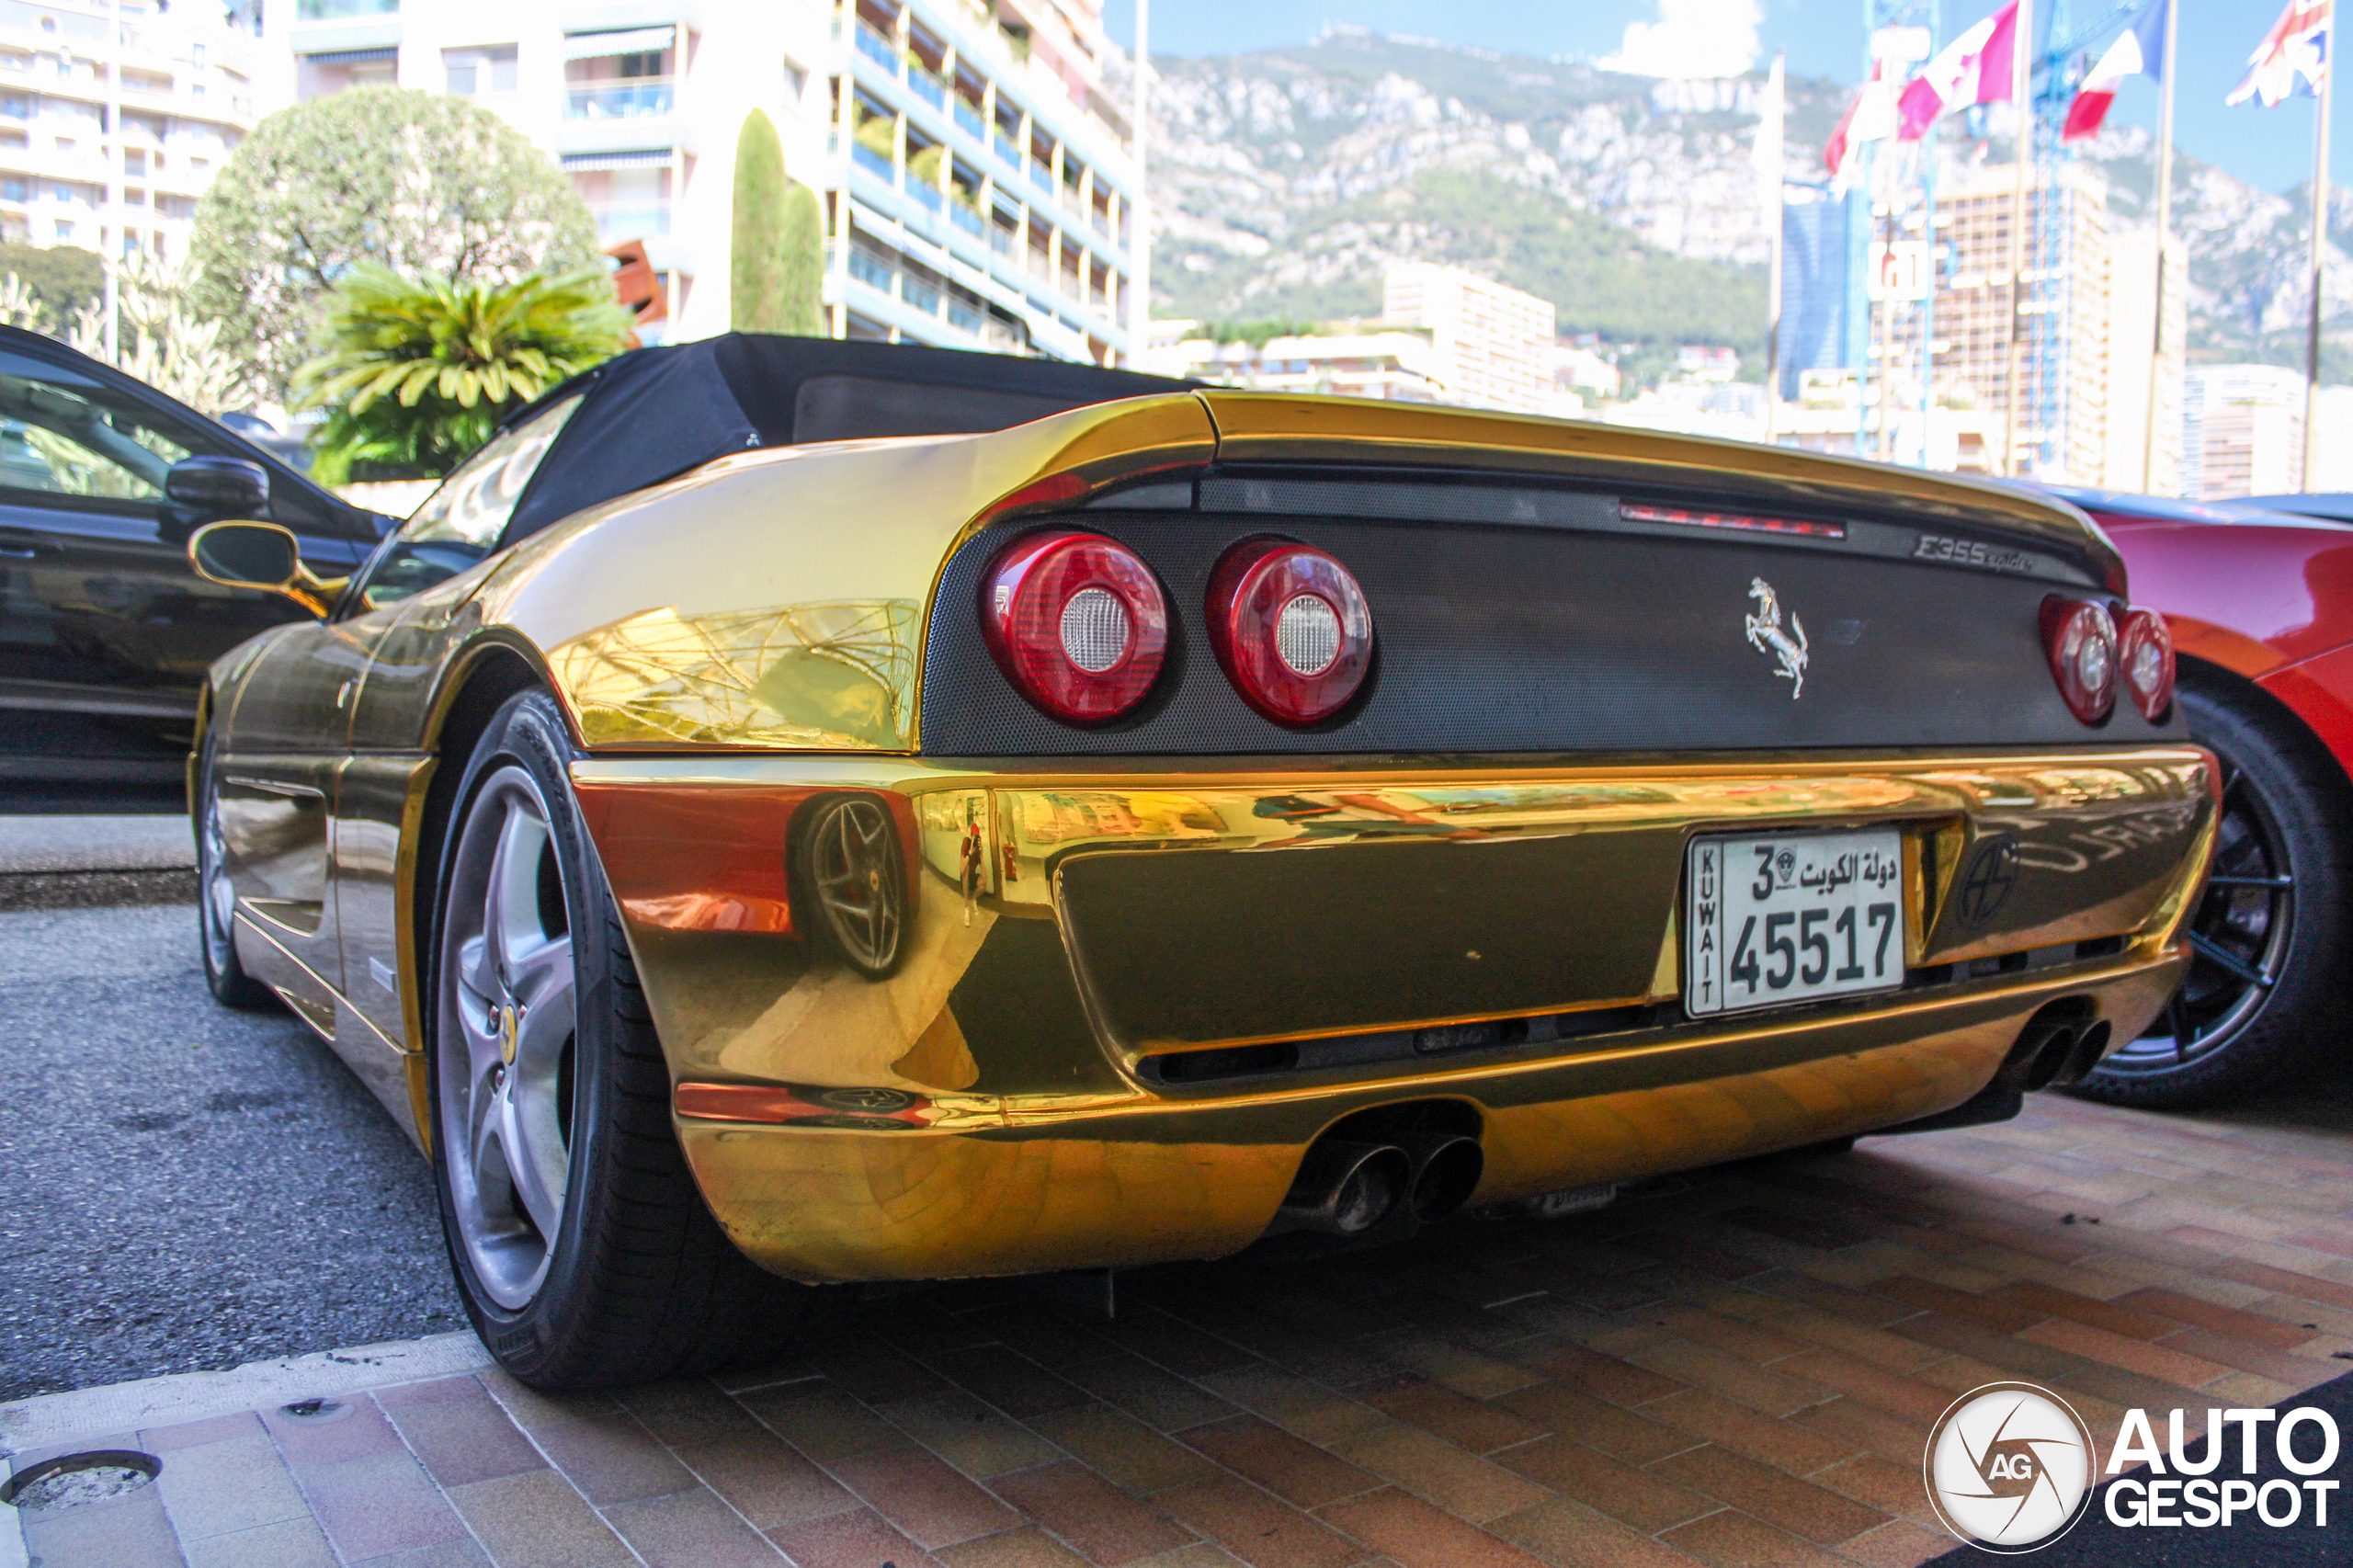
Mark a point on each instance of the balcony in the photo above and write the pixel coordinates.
(637, 220)
(874, 163)
(871, 270)
(636, 97)
(877, 48)
(968, 120)
(927, 86)
(965, 218)
(343, 10)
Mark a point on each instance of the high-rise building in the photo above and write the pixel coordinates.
(183, 79)
(1493, 344)
(975, 173)
(2062, 377)
(2242, 431)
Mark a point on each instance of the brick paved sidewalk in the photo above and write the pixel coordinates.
(1738, 1369)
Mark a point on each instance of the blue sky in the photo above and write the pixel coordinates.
(2269, 147)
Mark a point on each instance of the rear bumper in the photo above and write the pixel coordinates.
(994, 1106)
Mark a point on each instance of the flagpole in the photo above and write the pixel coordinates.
(2164, 232)
(2320, 261)
(1140, 210)
(2021, 90)
(1777, 181)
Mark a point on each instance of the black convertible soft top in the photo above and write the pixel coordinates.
(652, 414)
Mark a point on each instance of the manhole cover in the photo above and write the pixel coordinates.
(72, 1479)
(315, 1410)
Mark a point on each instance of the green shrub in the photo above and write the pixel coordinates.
(755, 265)
(416, 374)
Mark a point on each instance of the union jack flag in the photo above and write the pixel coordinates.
(2296, 46)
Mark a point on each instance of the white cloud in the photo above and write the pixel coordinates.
(1691, 38)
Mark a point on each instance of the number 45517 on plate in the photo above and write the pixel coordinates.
(1783, 917)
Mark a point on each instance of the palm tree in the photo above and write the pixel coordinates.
(417, 374)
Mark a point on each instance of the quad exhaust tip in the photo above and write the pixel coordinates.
(1348, 1188)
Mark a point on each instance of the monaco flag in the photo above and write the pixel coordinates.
(2296, 46)
(2139, 52)
(1975, 68)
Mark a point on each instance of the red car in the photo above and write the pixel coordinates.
(2260, 603)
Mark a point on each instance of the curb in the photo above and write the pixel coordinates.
(48, 1419)
(96, 889)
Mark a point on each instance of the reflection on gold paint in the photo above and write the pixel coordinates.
(836, 676)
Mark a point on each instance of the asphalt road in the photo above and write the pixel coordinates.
(183, 1186)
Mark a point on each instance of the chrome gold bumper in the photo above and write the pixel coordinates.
(1005, 1102)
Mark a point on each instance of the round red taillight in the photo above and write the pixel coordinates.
(1291, 628)
(1078, 622)
(2079, 637)
(2144, 655)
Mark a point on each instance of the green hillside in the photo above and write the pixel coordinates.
(1598, 277)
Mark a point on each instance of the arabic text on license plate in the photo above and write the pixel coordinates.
(1791, 916)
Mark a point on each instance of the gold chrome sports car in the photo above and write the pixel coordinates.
(757, 836)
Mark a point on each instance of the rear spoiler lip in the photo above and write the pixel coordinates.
(1279, 430)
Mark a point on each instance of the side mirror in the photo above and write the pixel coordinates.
(259, 555)
(222, 486)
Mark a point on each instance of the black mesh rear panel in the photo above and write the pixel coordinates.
(1559, 639)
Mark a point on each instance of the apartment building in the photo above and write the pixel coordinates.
(1493, 344)
(2063, 425)
(2242, 431)
(977, 176)
(106, 143)
(1393, 364)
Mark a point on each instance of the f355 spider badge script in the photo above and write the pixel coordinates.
(1764, 635)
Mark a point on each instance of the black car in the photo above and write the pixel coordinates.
(105, 628)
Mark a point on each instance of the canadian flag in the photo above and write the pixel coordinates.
(1871, 118)
(2139, 52)
(1975, 68)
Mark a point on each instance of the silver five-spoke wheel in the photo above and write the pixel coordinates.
(507, 1016)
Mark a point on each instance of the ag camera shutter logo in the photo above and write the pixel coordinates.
(2009, 1467)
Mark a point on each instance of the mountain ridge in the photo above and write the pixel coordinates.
(1284, 180)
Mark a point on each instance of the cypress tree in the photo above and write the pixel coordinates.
(755, 276)
(801, 263)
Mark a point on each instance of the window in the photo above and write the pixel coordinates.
(796, 78)
(13, 105)
(12, 189)
(195, 54)
(70, 440)
(134, 161)
(64, 229)
(462, 522)
(473, 72)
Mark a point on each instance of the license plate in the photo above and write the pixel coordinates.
(1782, 917)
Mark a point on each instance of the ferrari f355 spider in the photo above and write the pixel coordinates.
(788, 815)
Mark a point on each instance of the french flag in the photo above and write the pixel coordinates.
(1975, 68)
(2139, 52)
(2297, 45)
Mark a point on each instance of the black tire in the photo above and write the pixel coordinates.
(215, 903)
(638, 1282)
(2260, 1007)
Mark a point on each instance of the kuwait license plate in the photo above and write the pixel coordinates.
(1783, 917)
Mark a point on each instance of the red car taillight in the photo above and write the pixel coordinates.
(2144, 654)
(2080, 639)
(1291, 628)
(1078, 622)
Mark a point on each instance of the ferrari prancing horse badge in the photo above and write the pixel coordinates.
(1764, 635)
